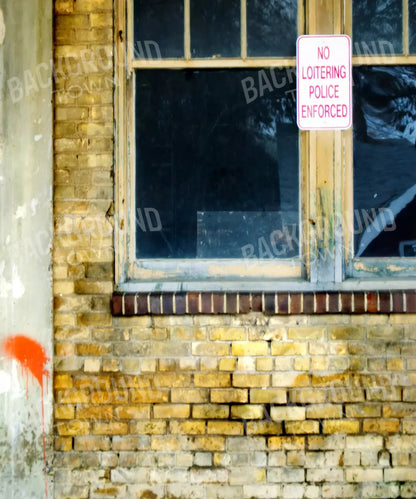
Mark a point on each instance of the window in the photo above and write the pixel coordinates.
(216, 186)
(384, 138)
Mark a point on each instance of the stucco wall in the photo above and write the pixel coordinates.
(25, 247)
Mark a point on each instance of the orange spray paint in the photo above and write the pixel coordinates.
(33, 359)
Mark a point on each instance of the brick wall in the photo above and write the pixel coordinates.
(202, 406)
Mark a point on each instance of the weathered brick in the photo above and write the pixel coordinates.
(219, 380)
(340, 426)
(210, 411)
(167, 411)
(251, 380)
(247, 411)
(292, 348)
(291, 413)
(225, 428)
(268, 396)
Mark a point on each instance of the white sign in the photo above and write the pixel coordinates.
(324, 82)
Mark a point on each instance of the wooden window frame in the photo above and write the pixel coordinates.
(326, 261)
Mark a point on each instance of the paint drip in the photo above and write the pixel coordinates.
(32, 358)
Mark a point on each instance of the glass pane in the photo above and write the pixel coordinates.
(385, 160)
(377, 27)
(216, 164)
(412, 26)
(158, 29)
(215, 28)
(272, 28)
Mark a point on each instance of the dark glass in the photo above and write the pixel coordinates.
(412, 26)
(216, 164)
(215, 28)
(385, 160)
(158, 29)
(272, 28)
(377, 27)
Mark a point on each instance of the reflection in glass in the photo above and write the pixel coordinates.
(215, 28)
(216, 164)
(158, 29)
(412, 26)
(377, 27)
(385, 160)
(272, 28)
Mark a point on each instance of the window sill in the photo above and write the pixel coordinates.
(270, 303)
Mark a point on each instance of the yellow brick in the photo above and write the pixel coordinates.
(362, 410)
(64, 412)
(250, 348)
(110, 365)
(109, 397)
(64, 6)
(409, 426)
(132, 412)
(172, 380)
(208, 443)
(286, 443)
(293, 348)
(381, 426)
(290, 380)
(88, 412)
(227, 334)
(187, 428)
(92, 349)
(62, 381)
(251, 380)
(210, 411)
(93, 287)
(73, 428)
(225, 428)
(93, 5)
(72, 396)
(269, 396)
(148, 427)
(166, 443)
(113, 428)
(346, 333)
(264, 364)
(335, 426)
(92, 443)
(146, 396)
(229, 395)
(395, 364)
(212, 380)
(63, 444)
(324, 411)
(94, 319)
(307, 396)
(63, 287)
(167, 411)
(247, 411)
(209, 348)
(306, 333)
(302, 427)
(64, 349)
(189, 396)
(227, 364)
(284, 413)
(332, 380)
(319, 364)
(301, 364)
(263, 428)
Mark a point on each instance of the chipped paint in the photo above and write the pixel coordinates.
(5, 382)
(2, 28)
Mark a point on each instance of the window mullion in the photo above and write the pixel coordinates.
(187, 26)
(243, 29)
(406, 27)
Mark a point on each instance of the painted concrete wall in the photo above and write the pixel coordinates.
(25, 243)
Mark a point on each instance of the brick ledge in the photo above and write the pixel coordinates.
(182, 303)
